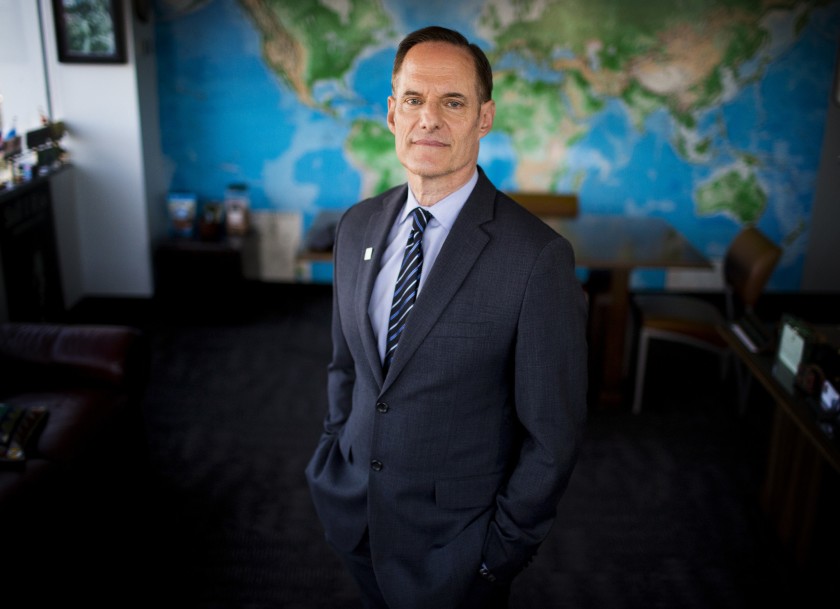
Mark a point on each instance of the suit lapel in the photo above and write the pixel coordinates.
(460, 251)
(376, 234)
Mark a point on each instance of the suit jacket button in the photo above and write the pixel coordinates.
(376, 465)
(382, 407)
(486, 574)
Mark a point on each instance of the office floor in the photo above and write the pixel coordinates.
(662, 510)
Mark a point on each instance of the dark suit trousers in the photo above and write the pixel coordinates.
(481, 594)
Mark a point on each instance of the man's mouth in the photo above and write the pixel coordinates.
(431, 143)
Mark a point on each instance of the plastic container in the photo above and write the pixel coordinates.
(237, 209)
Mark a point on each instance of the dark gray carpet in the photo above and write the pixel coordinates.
(662, 509)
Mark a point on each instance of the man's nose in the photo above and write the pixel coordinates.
(430, 116)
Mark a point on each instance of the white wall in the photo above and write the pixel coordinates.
(100, 106)
(66, 219)
(22, 82)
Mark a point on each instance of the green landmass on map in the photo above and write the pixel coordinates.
(735, 192)
(309, 41)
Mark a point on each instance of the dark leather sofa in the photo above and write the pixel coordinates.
(74, 518)
(89, 379)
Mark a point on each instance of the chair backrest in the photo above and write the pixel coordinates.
(748, 264)
(547, 203)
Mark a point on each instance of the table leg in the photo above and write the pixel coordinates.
(609, 309)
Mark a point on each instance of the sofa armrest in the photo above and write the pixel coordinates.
(57, 354)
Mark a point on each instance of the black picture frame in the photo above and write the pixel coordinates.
(89, 31)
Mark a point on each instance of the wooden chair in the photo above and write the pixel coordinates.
(547, 203)
(747, 266)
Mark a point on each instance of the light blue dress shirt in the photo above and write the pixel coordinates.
(445, 212)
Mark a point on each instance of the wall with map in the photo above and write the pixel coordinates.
(708, 113)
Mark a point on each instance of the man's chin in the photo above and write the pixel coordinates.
(427, 168)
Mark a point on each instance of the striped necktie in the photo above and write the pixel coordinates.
(408, 280)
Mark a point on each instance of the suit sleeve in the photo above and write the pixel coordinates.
(550, 393)
(341, 375)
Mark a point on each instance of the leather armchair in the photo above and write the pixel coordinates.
(747, 266)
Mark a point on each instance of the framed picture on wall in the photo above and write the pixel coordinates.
(89, 31)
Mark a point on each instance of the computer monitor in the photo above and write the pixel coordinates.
(791, 351)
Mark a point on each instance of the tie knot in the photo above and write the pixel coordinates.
(421, 218)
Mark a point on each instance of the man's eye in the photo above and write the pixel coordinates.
(412, 101)
(454, 104)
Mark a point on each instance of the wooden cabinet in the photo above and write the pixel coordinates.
(29, 266)
(200, 277)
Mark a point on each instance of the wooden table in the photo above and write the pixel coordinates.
(611, 247)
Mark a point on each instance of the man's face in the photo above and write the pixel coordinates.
(435, 113)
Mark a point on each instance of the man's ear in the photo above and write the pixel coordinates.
(392, 104)
(486, 116)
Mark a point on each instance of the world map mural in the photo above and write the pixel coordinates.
(707, 113)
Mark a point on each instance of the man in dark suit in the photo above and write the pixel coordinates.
(455, 405)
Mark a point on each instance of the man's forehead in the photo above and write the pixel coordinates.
(439, 66)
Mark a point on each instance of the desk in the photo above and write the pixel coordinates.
(611, 247)
(797, 455)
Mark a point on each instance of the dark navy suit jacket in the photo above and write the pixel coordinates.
(460, 455)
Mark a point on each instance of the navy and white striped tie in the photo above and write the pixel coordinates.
(408, 280)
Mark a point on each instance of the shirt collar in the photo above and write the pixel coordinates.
(447, 209)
